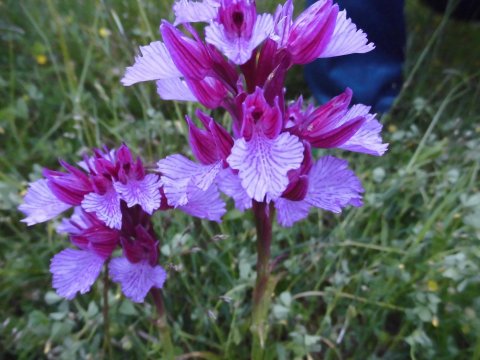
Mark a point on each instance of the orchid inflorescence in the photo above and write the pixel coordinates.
(263, 156)
(113, 199)
(241, 67)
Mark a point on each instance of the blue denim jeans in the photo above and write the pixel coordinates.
(375, 77)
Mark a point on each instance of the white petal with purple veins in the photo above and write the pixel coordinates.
(40, 204)
(332, 185)
(237, 48)
(204, 204)
(175, 89)
(136, 279)
(289, 212)
(230, 184)
(106, 207)
(367, 139)
(154, 63)
(178, 173)
(346, 39)
(195, 11)
(75, 271)
(145, 192)
(263, 163)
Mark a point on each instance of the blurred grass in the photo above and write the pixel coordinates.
(395, 279)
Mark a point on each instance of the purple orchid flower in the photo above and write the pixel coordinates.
(320, 31)
(263, 155)
(137, 271)
(113, 198)
(104, 181)
(99, 187)
(335, 125)
(184, 180)
(188, 69)
(238, 30)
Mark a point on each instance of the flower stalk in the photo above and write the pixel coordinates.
(265, 283)
(162, 323)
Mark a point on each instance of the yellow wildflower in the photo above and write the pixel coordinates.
(104, 32)
(41, 59)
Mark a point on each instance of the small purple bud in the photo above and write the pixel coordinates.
(296, 191)
(202, 144)
(258, 114)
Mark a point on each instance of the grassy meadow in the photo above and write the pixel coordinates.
(398, 278)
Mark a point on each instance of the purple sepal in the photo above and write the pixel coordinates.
(209, 91)
(75, 271)
(136, 279)
(283, 23)
(202, 143)
(179, 175)
(367, 139)
(230, 184)
(223, 140)
(289, 212)
(212, 144)
(311, 31)
(190, 56)
(204, 204)
(336, 137)
(40, 204)
(89, 233)
(75, 223)
(68, 187)
(333, 185)
(327, 126)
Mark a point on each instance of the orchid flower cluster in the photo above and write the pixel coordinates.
(241, 67)
(113, 200)
(262, 159)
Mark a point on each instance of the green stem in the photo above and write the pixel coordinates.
(107, 347)
(265, 284)
(162, 323)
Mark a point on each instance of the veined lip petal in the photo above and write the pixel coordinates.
(263, 163)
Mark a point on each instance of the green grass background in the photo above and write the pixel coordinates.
(396, 279)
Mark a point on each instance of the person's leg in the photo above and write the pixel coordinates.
(375, 77)
(462, 9)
